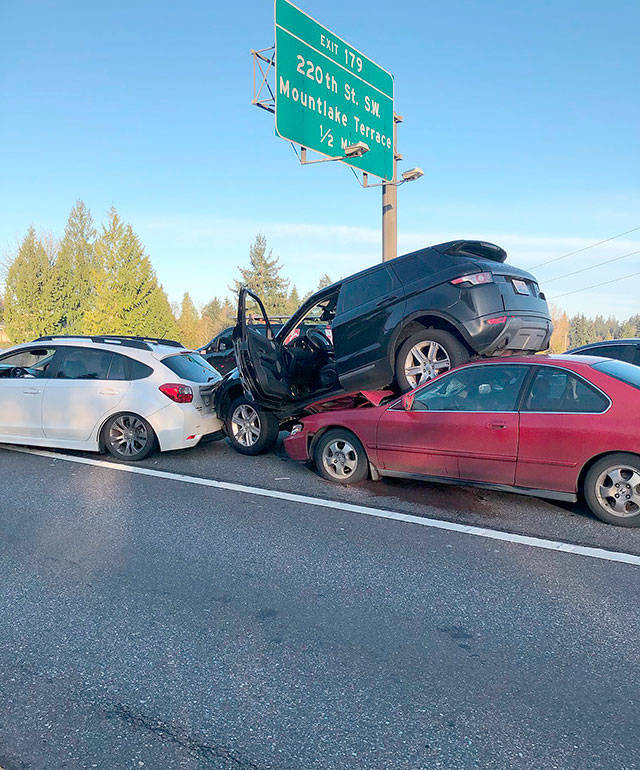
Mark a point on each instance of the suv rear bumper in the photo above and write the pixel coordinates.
(520, 333)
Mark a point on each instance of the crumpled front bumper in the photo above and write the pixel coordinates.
(296, 446)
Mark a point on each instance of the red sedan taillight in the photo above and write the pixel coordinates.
(181, 394)
(477, 279)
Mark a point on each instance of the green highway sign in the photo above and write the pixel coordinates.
(329, 95)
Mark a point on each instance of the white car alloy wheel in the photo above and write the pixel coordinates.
(618, 491)
(425, 361)
(128, 436)
(339, 459)
(245, 425)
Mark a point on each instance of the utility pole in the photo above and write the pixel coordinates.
(390, 203)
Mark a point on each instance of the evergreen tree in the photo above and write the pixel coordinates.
(74, 272)
(581, 331)
(212, 310)
(210, 321)
(128, 298)
(27, 298)
(229, 314)
(294, 301)
(628, 329)
(612, 326)
(189, 329)
(324, 282)
(263, 277)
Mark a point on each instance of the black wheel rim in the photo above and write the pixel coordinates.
(128, 436)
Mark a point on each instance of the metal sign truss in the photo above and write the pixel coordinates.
(264, 61)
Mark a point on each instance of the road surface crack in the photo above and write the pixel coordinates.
(178, 736)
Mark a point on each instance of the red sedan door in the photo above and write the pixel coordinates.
(559, 411)
(463, 425)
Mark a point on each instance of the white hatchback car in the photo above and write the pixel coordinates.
(127, 395)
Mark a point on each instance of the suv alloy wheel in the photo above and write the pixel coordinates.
(425, 355)
(251, 429)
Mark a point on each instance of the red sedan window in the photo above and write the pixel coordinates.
(493, 388)
(559, 390)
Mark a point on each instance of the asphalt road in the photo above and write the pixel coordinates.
(145, 622)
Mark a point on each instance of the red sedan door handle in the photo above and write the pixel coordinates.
(497, 425)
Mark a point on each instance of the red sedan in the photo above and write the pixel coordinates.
(549, 426)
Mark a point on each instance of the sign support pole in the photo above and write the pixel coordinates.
(390, 203)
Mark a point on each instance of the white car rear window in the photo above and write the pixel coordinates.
(191, 366)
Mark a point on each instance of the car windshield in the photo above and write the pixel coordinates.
(621, 370)
(191, 366)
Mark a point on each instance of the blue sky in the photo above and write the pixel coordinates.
(523, 115)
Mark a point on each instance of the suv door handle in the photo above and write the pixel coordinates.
(497, 425)
(386, 299)
(32, 392)
(109, 392)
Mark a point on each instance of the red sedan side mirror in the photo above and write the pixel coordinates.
(407, 401)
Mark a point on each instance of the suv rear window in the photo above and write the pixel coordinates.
(367, 287)
(621, 370)
(416, 266)
(191, 366)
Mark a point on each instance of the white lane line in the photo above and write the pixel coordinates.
(450, 526)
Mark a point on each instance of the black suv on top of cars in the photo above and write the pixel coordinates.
(397, 324)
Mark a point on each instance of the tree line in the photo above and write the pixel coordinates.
(102, 282)
(576, 330)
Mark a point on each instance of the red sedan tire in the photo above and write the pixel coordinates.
(612, 489)
(339, 456)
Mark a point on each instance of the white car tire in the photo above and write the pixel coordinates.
(129, 437)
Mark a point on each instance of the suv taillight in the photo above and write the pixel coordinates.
(181, 394)
(477, 279)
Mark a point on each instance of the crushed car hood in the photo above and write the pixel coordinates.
(362, 398)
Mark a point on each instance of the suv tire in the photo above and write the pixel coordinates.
(340, 457)
(426, 354)
(128, 437)
(600, 489)
(251, 429)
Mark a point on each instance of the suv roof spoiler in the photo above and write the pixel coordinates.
(128, 341)
(479, 249)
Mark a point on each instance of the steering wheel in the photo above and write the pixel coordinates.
(20, 371)
(318, 341)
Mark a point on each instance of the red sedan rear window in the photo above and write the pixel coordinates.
(621, 370)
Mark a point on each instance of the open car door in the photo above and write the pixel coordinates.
(259, 357)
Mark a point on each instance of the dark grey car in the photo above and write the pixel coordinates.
(622, 350)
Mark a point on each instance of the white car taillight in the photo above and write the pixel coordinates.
(181, 394)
